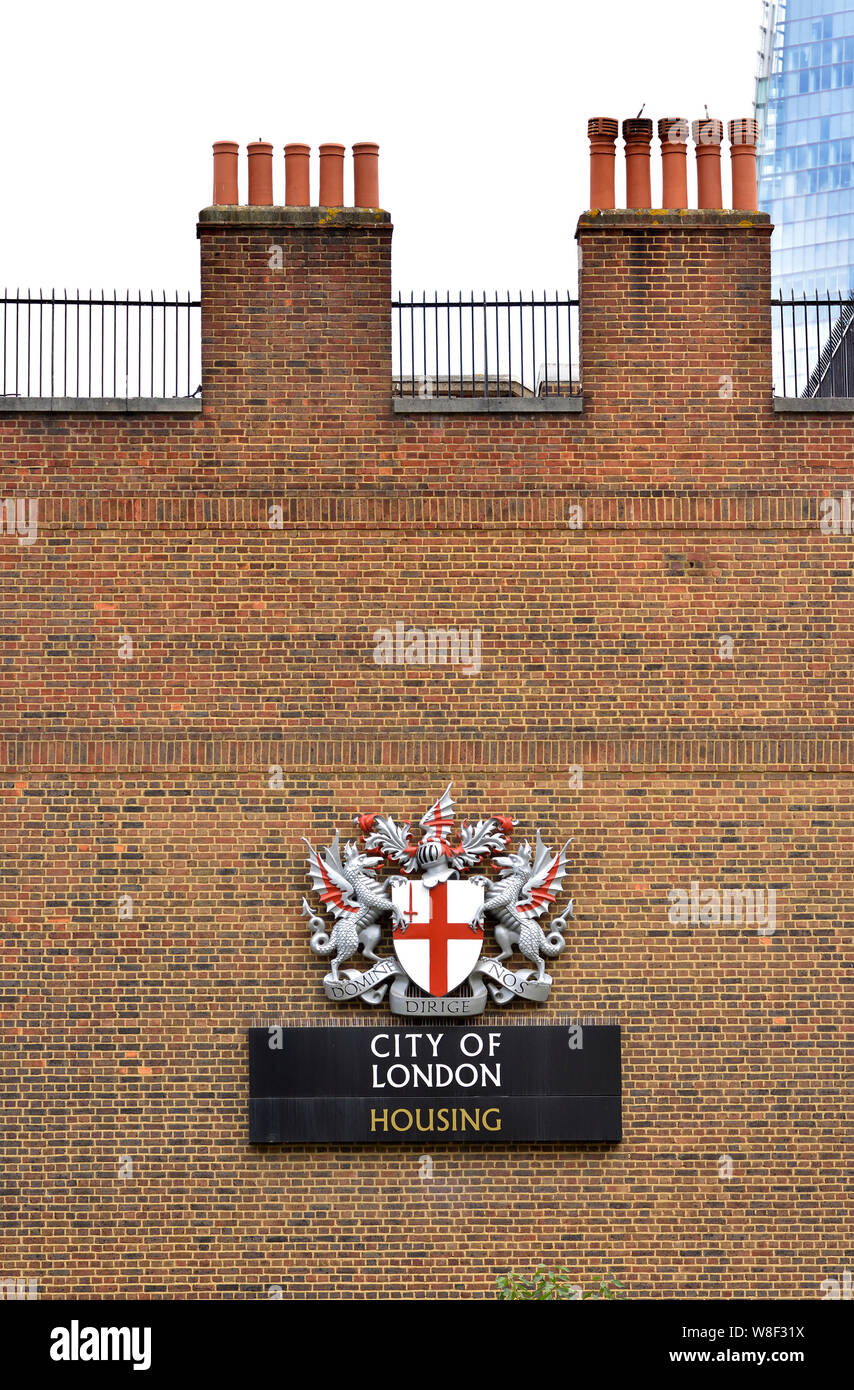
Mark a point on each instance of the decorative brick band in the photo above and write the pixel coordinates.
(89, 752)
(606, 509)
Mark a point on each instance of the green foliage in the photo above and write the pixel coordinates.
(555, 1283)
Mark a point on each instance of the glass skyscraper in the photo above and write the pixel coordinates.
(805, 109)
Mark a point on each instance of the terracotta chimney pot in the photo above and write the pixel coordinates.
(260, 173)
(673, 133)
(331, 176)
(743, 135)
(602, 132)
(708, 136)
(638, 137)
(297, 194)
(225, 173)
(365, 175)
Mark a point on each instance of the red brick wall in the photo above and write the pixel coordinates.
(600, 650)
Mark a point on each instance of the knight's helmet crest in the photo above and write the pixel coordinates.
(434, 852)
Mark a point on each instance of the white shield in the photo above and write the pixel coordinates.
(438, 947)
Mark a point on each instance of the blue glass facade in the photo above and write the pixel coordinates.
(805, 108)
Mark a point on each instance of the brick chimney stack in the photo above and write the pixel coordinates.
(295, 298)
(675, 301)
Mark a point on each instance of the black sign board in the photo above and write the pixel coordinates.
(432, 1084)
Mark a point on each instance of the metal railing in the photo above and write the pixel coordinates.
(813, 346)
(501, 346)
(99, 346)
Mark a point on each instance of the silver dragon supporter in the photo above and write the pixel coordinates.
(438, 913)
(357, 901)
(518, 898)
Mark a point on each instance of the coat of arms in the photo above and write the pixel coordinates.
(438, 912)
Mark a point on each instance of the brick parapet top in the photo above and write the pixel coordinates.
(667, 220)
(299, 218)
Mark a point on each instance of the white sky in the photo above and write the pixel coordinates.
(109, 111)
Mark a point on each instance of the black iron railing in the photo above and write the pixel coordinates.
(485, 344)
(813, 346)
(99, 345)
(495, 345)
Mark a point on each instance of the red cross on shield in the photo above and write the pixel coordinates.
(438, 948)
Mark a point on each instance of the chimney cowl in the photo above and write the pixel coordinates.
(743, 132)
(604, 127)
(708, 132)
(637, 129)
(673, 130)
